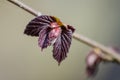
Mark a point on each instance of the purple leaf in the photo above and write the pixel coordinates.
(41, 26)
(62, 44)
(37, 24)
(51, 31)
(43, 40)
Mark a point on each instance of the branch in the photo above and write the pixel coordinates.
(107, 54)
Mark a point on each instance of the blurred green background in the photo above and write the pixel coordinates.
(22, 59)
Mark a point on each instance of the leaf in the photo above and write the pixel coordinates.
(62, 45)
(43, 40)
(37, 24)
(51, 31)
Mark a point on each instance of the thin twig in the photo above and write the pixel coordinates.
(25, 7)
(108, 52)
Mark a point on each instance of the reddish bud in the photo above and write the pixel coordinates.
(92, 62)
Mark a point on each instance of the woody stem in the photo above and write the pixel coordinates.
(108, 52)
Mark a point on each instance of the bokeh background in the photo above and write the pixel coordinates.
(22, 59)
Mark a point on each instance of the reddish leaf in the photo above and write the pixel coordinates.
(62, 44)
(37, 24)
(51, 31)
(41, 26)
(43, 40)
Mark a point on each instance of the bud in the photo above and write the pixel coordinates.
(92, 62)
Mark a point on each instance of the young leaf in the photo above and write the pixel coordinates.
(37, 24)
(62, 44)
(51, 31)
